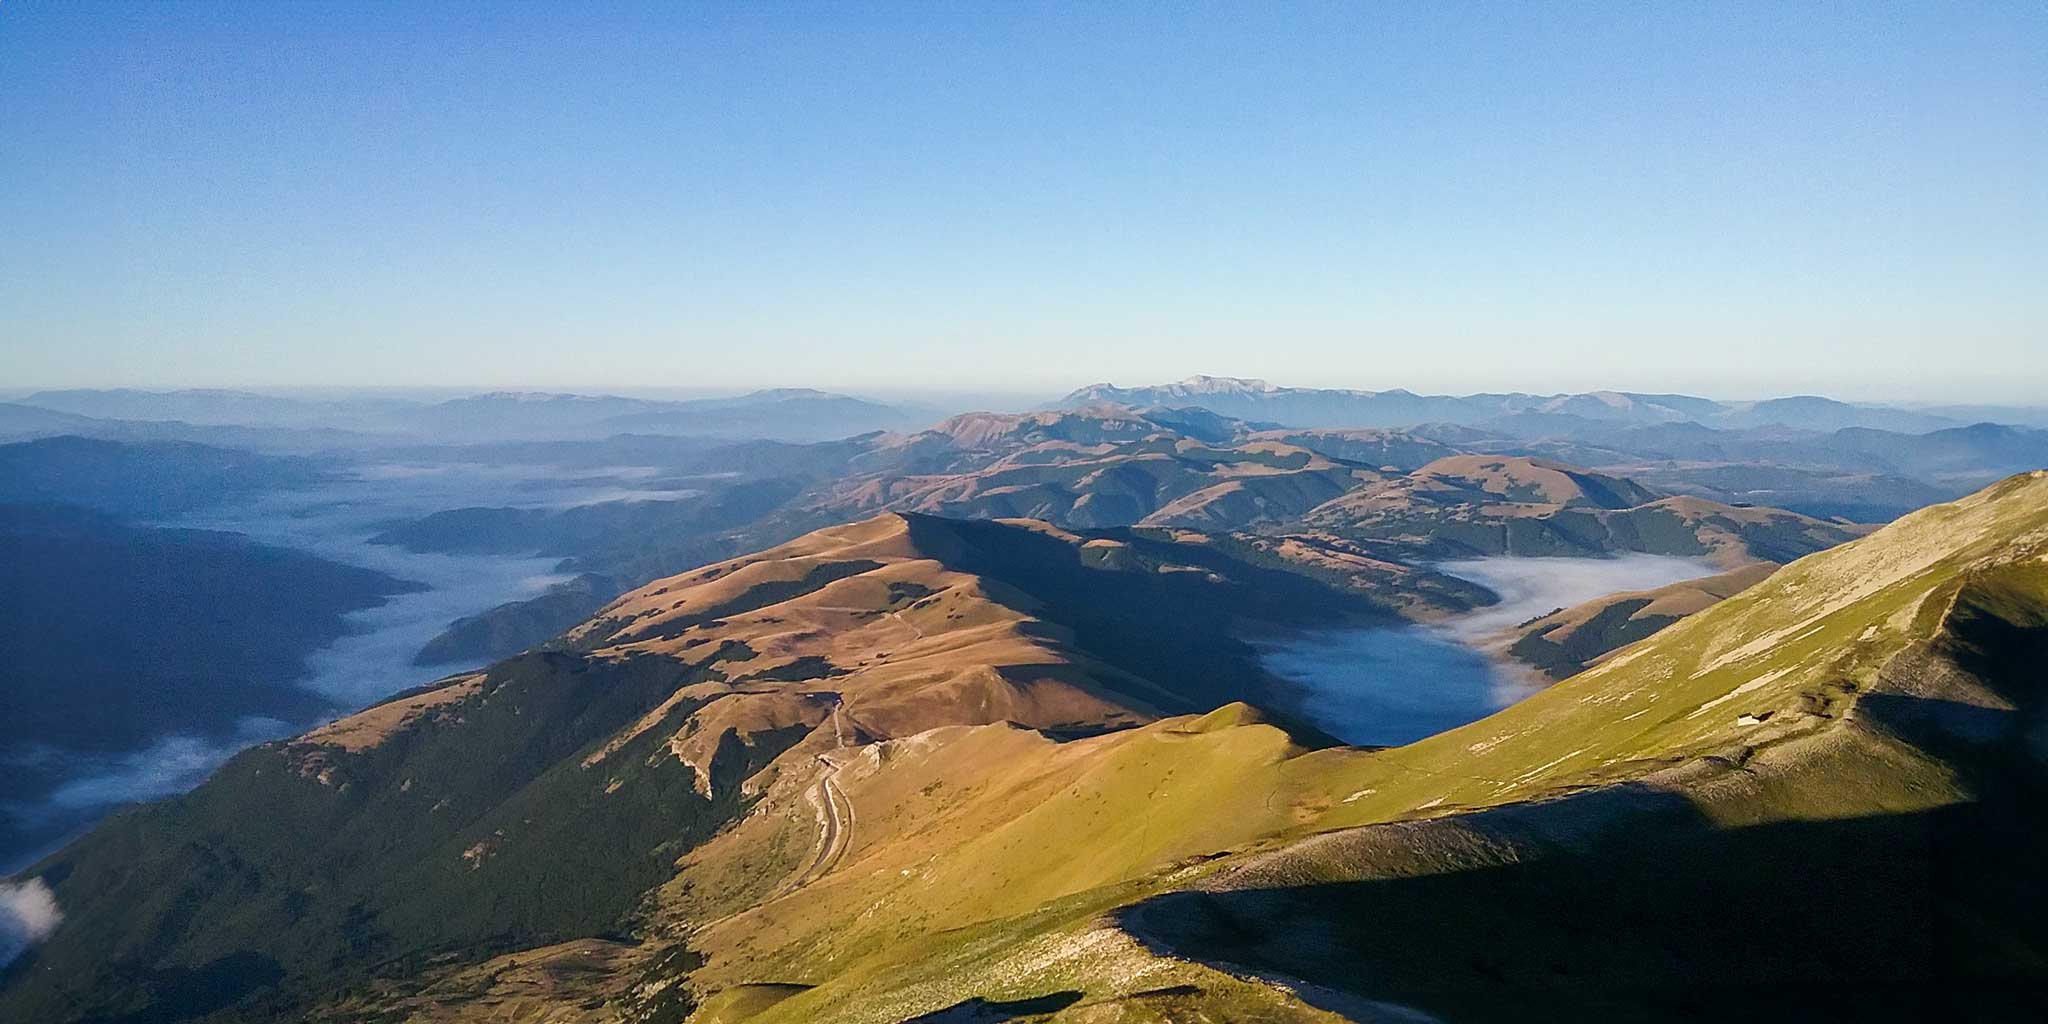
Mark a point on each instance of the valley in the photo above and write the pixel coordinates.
(505, 544)
(180, 653)
(1389, 685)
(1052, 687)
(1002, 733)
(240, 603)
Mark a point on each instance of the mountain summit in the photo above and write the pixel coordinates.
(1199, 384)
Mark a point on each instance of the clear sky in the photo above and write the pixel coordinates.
(1728, 199)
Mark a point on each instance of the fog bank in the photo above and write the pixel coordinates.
(373, 660)
(1388, 686)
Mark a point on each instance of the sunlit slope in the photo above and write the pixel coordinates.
(916, 622)
(1817, 800)
(1099, 466)
(1777, 706)
(983, 860)
(1781, 662)
(1475, 505)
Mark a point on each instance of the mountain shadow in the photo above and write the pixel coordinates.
(1922, 916)
(997, 1011)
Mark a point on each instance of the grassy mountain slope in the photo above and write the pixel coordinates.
(1094, 467)
(919, 621)
(1475, 505)
(1823, 789)
(734, 796)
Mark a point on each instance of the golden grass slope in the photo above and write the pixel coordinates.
(1093, 467)
(1498, 479)
(907, 643)
(1467, 505)
(1778, 663)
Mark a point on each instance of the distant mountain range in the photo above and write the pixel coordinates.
(1812, 455)
(1259, 401)
(251, 419)
(1677, 487)
(1365, 494)
(798, 414)
(155, 478)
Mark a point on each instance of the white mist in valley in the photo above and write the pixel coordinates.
(170, 765)
(1392, 685)
(1532, 587)
(336, 520)
(374, 659)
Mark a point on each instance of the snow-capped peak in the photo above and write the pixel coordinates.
(1203, 384)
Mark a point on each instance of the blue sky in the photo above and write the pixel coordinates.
(1728, 199)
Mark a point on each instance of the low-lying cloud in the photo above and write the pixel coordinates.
(374, 659)
(171, 765)
(337, 519)
(1530, 587)
(28, 914)
(1385, 686)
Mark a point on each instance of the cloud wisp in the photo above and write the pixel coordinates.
(28, 914)
(1530, 587)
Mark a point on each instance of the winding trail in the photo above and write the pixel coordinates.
(907, 624)
(835, 824)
